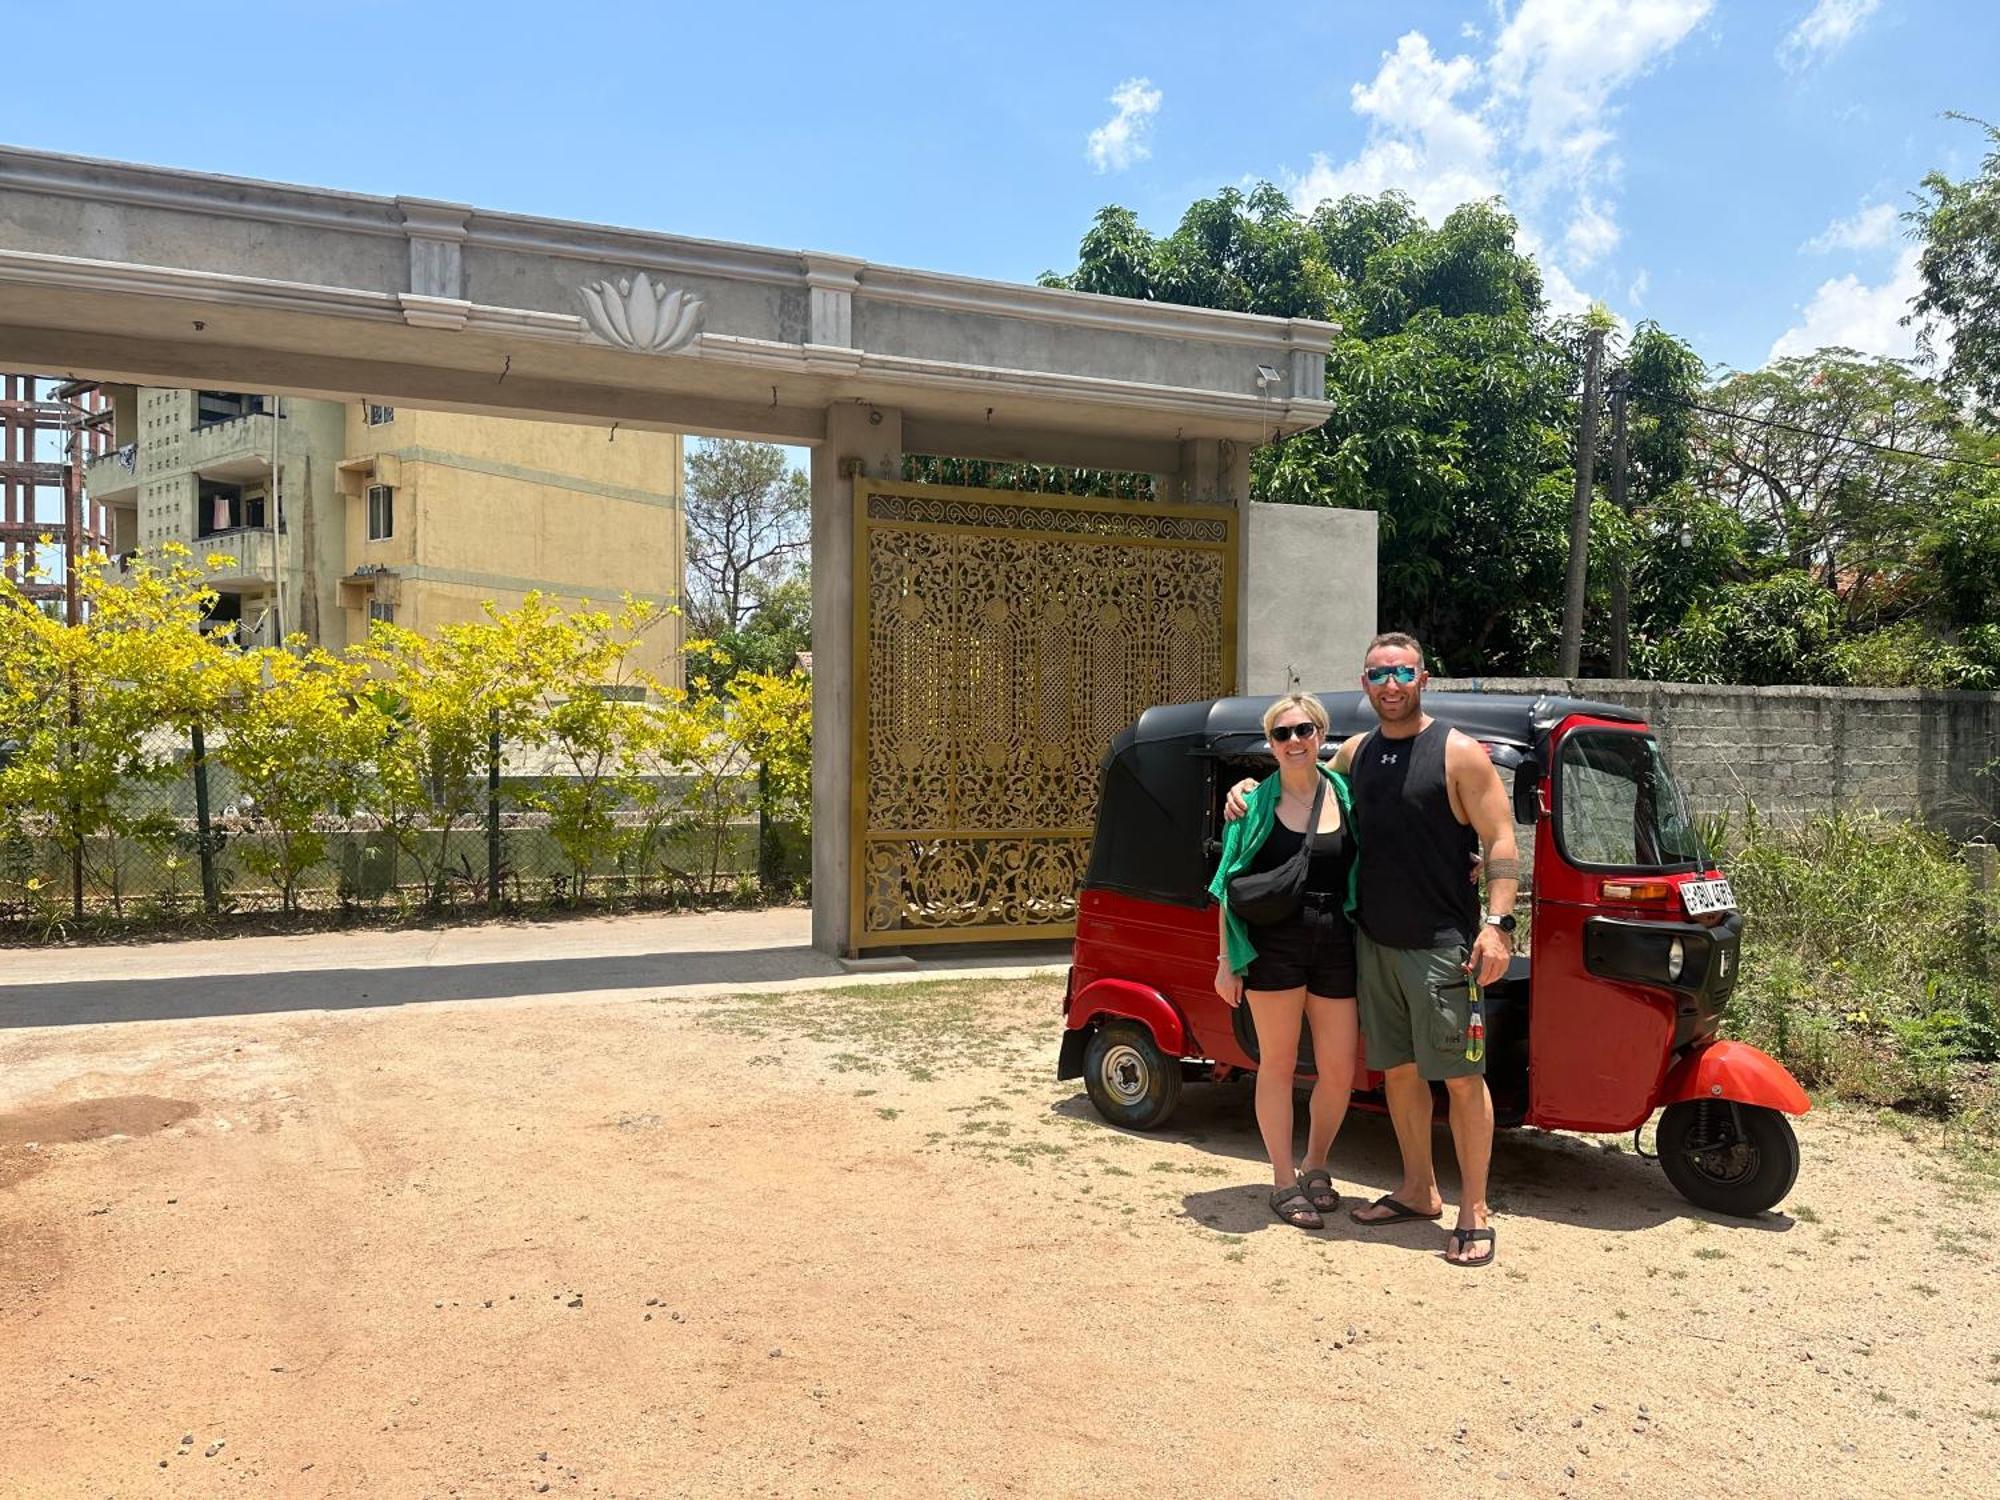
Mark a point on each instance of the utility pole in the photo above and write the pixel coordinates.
(1579, 515)
(1621, 597)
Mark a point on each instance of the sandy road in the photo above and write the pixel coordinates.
(861, 1243)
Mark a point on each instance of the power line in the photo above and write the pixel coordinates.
(1812, 432)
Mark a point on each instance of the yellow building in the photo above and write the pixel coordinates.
(390, 513)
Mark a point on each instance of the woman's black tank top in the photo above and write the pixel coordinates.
(1326, 871)
(1416, 857)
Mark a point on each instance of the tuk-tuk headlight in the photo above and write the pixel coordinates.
(1676, 959)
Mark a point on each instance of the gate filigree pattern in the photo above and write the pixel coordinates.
(1001, 640)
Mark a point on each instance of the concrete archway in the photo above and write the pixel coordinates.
(160, 277)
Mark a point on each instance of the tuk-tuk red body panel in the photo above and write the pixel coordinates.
(1738, 1072)
(1102, 998)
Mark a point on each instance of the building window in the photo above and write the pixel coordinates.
(381, 512)
(377, 416)
(383, 610)
(223, 507)
(211, 407)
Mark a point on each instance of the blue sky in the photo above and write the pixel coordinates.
(1729, 167)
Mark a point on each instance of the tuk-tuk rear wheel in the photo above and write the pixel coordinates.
(1130, 1081)
(1736, 1159)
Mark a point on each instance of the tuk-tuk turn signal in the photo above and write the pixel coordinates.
(1636, 890)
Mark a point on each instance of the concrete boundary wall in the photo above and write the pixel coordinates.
(1795, 751)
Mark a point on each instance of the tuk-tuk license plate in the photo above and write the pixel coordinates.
(1701, 897)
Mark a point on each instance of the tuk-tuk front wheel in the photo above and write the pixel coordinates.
(1735, 1159)
(1132, 1083)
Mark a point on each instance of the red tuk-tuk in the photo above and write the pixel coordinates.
(1633, 936)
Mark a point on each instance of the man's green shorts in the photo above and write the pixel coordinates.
(1415, 1007)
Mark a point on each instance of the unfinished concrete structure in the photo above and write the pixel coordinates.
(173, 278)
(49, 431)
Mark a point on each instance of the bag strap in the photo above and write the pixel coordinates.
(1312, 818)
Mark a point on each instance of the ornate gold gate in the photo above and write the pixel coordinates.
(1001, 640)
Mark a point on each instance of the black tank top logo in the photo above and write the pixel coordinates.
(1415, 881)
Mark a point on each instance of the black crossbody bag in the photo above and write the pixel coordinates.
(1261, 897)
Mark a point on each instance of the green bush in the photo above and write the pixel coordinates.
(1865, 966)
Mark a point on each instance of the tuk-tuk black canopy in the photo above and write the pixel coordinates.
(1157, 786)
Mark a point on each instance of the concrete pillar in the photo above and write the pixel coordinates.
(868, 439)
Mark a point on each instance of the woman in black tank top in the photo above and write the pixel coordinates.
(1302, 969)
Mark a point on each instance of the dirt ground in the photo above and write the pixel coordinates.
(860, 1242)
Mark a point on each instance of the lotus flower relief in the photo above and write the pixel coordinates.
(634, 314)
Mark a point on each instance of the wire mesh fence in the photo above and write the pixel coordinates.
(186, 844)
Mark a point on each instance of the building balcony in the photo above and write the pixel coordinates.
(248, 558)
(113, 477)
(238, 449)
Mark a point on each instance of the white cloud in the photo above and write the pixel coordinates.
(1851, 314)
(1420, 138)
(1823, 31)
(1532, 121)
(1121, 140)
(1870, 227)
(1636, 292)
(1561, 61)
(1565, 298)
(1592, 234)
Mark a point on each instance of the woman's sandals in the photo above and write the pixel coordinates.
(1317, 1185)
(1295, 1208)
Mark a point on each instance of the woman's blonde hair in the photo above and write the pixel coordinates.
(1306, 703)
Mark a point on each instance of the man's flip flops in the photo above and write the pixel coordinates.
(1399, 1213)
(1465, 1239)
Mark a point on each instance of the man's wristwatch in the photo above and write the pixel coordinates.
(1505, 923)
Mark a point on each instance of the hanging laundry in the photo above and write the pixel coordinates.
(220, 520)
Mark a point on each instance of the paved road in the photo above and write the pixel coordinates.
(595, 958)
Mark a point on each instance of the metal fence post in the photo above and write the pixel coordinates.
(493, 813)
(767, 864)
(76, 805)
(204, 836)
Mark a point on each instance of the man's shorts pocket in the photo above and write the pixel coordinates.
(1450, 1003)
(1451, 1014)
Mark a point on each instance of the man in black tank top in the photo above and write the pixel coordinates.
(1425, 799)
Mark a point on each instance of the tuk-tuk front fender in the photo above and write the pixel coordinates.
(1735, 1071)
(1126, 998)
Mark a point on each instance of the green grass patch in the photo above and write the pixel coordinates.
(1866, 964)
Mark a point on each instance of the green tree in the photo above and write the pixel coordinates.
(769, 641)
(587, 715)
(1452, 398)
(749, 525)
(297, 748)
(1781, 629)
(1802, 454)
(86, 706)
(1958, 303)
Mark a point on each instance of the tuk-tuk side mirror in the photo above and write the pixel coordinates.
(1527, 786)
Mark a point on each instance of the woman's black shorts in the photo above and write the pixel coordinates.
(1314, 948)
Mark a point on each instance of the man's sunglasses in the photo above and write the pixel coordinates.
(1282, 732)
(1379, 676)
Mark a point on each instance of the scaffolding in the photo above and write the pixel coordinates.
(49, 431)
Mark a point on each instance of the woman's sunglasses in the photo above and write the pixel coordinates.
(1380, 676)
(1282, 732)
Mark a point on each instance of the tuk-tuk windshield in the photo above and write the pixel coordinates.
(1617, 808)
